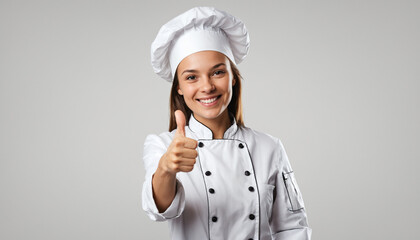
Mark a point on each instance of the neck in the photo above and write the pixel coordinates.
(218, 126)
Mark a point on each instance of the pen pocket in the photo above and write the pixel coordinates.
(292, 189)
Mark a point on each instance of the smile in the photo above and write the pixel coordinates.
(209, 101)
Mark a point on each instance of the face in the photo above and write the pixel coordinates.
(205, 81)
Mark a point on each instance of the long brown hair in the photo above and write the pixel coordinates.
(176, 101)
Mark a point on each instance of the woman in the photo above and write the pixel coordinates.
(210, 176)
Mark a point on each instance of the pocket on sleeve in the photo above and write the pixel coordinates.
(294, 194)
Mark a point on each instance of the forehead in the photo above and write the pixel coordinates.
(203, 60)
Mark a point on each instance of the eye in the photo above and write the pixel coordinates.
(191, 77)
(218, 72)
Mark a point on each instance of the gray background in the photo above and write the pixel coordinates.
(336, 81)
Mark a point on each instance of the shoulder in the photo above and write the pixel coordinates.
(265, 144)
(260, 137)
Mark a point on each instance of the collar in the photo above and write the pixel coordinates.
(203, 132)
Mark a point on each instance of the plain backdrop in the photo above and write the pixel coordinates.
(337, 81)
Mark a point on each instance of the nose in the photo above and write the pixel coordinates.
(207, 85)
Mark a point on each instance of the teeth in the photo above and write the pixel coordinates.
(208, 100)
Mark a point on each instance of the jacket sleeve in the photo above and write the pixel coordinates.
(154, 148)
(288, 220)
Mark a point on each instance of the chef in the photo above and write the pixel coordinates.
(210, 176)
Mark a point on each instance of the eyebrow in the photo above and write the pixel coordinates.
(194, 71)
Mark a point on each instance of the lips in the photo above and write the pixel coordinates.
(209, 100)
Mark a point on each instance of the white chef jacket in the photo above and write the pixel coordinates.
(241, 187)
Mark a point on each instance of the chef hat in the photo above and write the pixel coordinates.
(198, 29)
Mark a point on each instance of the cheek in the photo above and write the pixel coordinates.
(188, 92)
(227, 87)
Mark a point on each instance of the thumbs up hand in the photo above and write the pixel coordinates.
(181, 154)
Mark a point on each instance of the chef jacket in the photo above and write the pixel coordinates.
(241, 187)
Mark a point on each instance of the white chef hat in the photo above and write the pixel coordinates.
(198, 29)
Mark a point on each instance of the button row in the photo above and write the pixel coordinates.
(247, 173)
(208, 173)
(201, 144)
(212, 191)
(251, 217)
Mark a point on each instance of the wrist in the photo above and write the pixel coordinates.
(163, 172)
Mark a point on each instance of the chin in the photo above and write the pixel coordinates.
(209, 115)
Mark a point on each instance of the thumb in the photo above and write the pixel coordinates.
(180, 122)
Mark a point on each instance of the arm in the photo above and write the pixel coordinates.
(163, 194)
(164, 188)
(289, 220)
(170, 194)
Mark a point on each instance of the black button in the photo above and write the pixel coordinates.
(200, 144)
(214, 219)
(211, 190)
(247, 173)
(250, 239)
(251, 189)
(208, 173)
(241, 145)
(251, 216)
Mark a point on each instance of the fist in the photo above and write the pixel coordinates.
(181, 153)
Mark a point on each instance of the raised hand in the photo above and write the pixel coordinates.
(181, 153)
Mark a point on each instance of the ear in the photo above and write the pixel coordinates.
(179, 91)
(233, 81)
